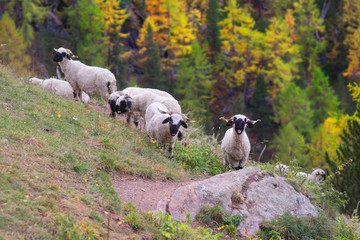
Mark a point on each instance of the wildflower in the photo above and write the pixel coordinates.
(59, 115)
(152, 141)
(220, 227)
(97, 184)
(36, 177)
(85, 180)
(120, 222)
(10, 166)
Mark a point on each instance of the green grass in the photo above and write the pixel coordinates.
(56, 159)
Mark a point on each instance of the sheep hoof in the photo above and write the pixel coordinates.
(238, 168)
(112, 114)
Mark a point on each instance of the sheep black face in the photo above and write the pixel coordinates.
(241, 122)
(59, 56)
(175, 122)
(320, 175)
(123, 104)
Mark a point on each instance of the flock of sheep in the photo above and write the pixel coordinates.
(160, 110)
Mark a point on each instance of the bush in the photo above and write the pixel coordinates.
(199, 157)
(133, 221)
(292, 227)
(170, 229)
(216, 217)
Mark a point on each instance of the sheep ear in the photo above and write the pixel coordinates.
(162, 111)
(166, 120)
(127, 96)
(251, 123)
(184, 124)
(229, 123)
(68, 56)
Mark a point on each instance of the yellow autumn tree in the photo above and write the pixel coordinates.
(181, 32)
(282, 56)
(240, 42)
(353, 70)
(160, 15)
(114, 17)
(12, 45)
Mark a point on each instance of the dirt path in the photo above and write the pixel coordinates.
(144, 193)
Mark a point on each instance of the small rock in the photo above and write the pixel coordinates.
(142, 189)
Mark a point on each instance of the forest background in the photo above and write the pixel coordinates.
(294, 64)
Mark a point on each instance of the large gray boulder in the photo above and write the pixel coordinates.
(250, 192)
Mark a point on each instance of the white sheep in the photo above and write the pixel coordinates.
(131, 100)
(58, 87)
(157, 116)
(316, 176)
(235, 144)
(95, 81)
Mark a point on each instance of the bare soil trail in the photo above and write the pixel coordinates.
(144, 193)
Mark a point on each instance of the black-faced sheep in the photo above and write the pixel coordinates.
(59, 87)
(235, 144)
(95, 81)
(157, 118)
(132, 100)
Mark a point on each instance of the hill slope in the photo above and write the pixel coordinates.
(56, 160)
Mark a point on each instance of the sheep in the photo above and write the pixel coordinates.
(132, 100)
(92, 80)
(59, 87)
(235, 144)
(157, 114)
(317, 176)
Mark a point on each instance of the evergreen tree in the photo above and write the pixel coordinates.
(290, 146)
(152, 63)
(347, 177)
(13, 49)
(193, 84)
(213, 31)
(26, 14)
(322, 97)
(294, 107)
(87, 28)
(262, 109)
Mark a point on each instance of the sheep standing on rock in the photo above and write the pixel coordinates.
(317, 176)
(235, 144)
(95, 81)
(59, 87)
(156, 116)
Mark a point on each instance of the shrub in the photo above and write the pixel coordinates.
(292, 227)
(170, 229)
(133, 221)
(199, 157)
(216, 217)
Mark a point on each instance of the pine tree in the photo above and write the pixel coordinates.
(152, 63)
(346, 177)
(294, 107)
(193, 84)
(213, 32)
(290, 146)
(87, 28)
(323, 100)
(27, 13)
(262, 109)
(13, 52)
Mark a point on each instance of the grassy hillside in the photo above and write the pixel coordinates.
(56, 158)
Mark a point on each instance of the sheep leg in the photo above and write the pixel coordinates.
(171, 147)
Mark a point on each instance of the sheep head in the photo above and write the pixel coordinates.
(175, 121)
(61, 54)
(319, 174)
(240, 122)
(123, 104)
